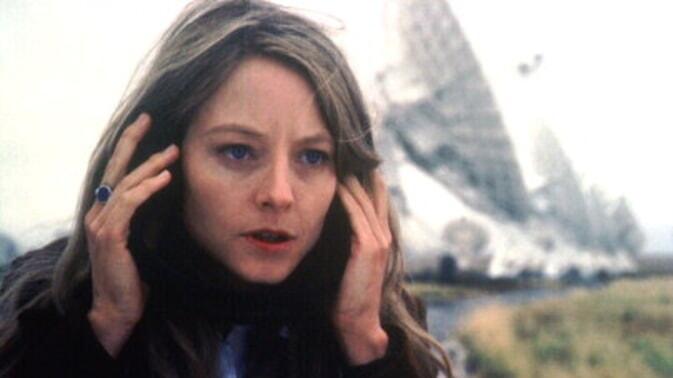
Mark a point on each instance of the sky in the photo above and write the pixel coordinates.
(602, 87)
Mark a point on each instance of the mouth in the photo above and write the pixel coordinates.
(270, 235)
(269, 239)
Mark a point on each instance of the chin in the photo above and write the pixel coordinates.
(267, 281)
(264, 277)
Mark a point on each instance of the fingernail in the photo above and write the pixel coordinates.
(170, 148)
(378, 176)
(143, 118)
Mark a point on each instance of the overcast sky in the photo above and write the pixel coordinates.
(602, 87)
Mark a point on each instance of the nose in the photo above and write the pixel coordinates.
(275, 189)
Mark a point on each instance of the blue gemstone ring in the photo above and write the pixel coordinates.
(102, 193)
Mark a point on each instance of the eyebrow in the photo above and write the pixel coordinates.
(320, 137)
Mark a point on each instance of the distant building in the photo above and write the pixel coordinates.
(8, 251)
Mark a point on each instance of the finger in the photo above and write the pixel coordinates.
(126, 146)
(155, 164)
(357, 218)
(116, 216)
(93, 212)
(365, 203)
(381, 200)
(91, 218)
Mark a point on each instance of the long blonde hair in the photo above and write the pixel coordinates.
(194, 56)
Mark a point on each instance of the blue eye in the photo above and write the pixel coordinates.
(315, 157)
(236, 151)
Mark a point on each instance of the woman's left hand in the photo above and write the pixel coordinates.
(357, 313)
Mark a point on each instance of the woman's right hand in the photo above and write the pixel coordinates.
(119, 294)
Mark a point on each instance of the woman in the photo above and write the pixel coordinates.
(237, 225)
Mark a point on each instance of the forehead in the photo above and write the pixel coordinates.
(262, 93)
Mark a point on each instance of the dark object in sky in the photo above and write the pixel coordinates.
(526, 69)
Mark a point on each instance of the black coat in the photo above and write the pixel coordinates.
(52, 344)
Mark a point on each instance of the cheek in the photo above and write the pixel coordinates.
(205, 198)
(321, 199)
(209, 217)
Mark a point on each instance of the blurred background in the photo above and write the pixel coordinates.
(526, 146)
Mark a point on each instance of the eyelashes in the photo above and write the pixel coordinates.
(242, 153)
(315, 157)
(236, 152)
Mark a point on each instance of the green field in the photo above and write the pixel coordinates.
(622, 330)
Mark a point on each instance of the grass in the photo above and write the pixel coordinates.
(622, 330)
(432, 291)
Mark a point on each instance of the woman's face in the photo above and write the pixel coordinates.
(259, 172)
